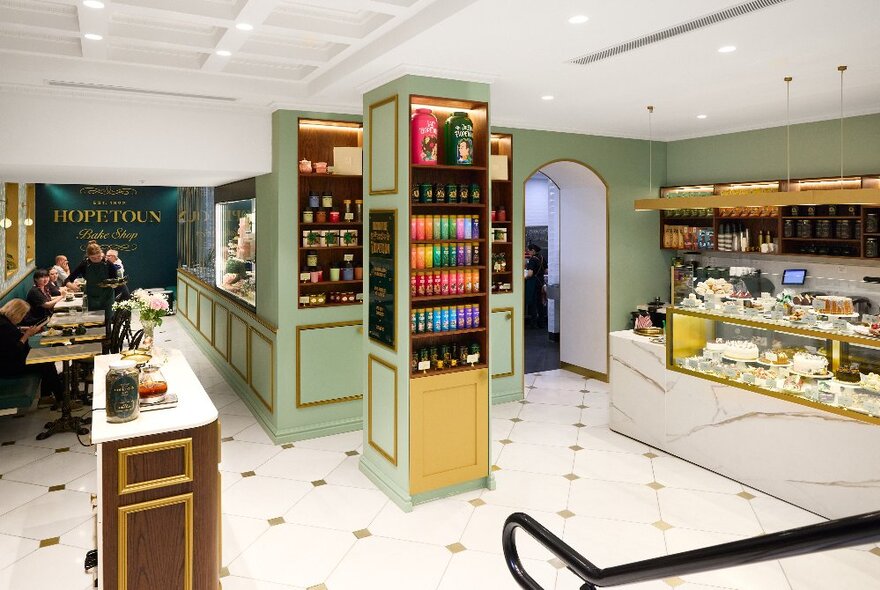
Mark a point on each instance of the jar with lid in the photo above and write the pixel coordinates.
(348, 271)
(348, 216)
(321, 215)
(308, 216)
(423, 133)
(459, 139)
(502, 213)
(871, 248)
(359, 210)
(823, 228)
(805, 228)
(872, 223)
(843, 229)
(152, 385)
(122, 403)
(327, 200)
(788, 228)
(314, 200)
(334, 216)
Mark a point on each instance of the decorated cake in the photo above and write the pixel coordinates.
(871, 382)
(776, 358)
(809, 364)
(830, 304)
(802, 300)
(741, 350)
(848, 374)
(717, 346)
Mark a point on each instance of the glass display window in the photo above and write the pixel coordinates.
(236, 248)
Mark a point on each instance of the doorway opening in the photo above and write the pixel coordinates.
(566, 307)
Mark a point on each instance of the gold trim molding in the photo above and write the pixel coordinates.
(122, 538)
(323, 402)
(392, 458)
(223, 353)
(589, 373)
(125, 452)
(510, 316)
(214, 291)
(250, 380)
(376, 105)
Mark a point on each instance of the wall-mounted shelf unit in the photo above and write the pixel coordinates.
(502, 261)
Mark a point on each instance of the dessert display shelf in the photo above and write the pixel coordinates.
(762, 424)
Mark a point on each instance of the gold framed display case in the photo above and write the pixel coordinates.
(235, 235)
(710, 344)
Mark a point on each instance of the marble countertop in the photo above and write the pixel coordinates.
(194, 407)
(630, 335)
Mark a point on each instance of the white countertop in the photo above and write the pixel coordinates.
(630, 335)
(194, 407)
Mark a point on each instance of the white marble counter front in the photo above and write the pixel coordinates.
(818, 460)
(194, 407)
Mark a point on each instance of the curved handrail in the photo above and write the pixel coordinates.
(833, 534)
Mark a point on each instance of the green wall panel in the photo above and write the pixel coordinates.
(322, 379)
(501, 344)
(221, 325)
(262, 366)
(180, 303)
(760, 154)
(382, 175)
(383, 428)
(192, 305)
(238, 345)
(205, 317)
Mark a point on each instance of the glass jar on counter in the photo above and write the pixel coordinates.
(788, 228)
(152, 385)
(843, 229)
(872, 223)
(122, 403)
(871, 248)
(823, 229)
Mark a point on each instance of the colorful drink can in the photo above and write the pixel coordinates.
(437, 254)
(437, 229)
(426, 193)
(414, 193)
(420, 257)
(444, 319)
(475, 257)
(460, 323)
(420, 284)
(439, 193)
(475, 280)
(420, 321)
(467, 255)
(428, 253)
(475, 193)
(444, 255)
(468, 317)
(413, 256)
(475, 227)
(476, 316)
(413, 228)
(413, 285)
(438, 282)
(420, 227)
(468, 281)
(444, 227)
(438, 320)
(444, 282)
(451, 254)
(429, 319)
(460, 279)
(463, 193)
(468, 227)
(452, 193)
(429, 227)
(459, 227)
(459, 256)
(414, 322)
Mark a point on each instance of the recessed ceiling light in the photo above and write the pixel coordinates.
(93, 36)
(244, 27)
(223, 53)
(547, 97)
(727, 49)
(93, 4)
(578, 19)
(701, 116)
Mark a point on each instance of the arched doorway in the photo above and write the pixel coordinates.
(577, 277)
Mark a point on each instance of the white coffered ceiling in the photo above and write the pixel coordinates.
(323, 54)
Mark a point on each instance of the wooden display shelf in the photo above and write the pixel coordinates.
(821, 216)
(430, 298)
(459, 369)
(855, 241)
(447, 167)
(500, 243)
(323, 305)
(330, 283)
(733, 218)
(451, 205)
(330, 248)
(339, 176)
(456, 268)
(501, 222)
(502, 181)
(330, 224)
(428, 335)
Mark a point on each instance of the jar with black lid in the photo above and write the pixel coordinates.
(123, 401)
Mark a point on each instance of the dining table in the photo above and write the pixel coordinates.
(74, 319)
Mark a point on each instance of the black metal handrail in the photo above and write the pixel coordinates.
(833, 534)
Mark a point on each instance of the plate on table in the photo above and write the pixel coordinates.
(736, 360)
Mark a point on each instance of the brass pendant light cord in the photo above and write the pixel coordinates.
(650, 150)
(788, 132)
(841, 69)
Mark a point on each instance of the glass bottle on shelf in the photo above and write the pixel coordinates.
(314, 200)
(334, 216)
(308, 216)
(348, 270)
(359, 204)
(321, 215)
(327, 200)
(348, 217)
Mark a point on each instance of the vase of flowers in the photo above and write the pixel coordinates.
(151, 308)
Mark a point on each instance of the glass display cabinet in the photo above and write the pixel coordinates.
(821, 361)
(236, 247)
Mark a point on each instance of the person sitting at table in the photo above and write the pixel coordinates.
(56, 287)
(94, 269)
(14, 349)
(40, 298)
(62, 267)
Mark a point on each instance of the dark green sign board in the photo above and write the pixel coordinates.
(140, 222)
(381, 282)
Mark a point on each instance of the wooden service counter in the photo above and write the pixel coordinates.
(159, 488)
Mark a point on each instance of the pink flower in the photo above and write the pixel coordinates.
(158, 304)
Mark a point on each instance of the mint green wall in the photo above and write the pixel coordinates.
(760, 154)
(638, 270)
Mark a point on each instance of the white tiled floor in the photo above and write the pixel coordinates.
(304, 516)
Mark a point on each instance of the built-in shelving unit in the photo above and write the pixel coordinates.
(502, 261)
(329, 223)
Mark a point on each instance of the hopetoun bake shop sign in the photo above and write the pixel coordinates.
(381, 278)
(139, 222)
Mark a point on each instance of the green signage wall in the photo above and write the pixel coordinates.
(140, 222)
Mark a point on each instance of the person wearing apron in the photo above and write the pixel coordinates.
(95, 269)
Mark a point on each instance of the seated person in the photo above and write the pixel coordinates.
(55, 286)
(63, 269)
(14, 348)
(94, 269)
(40, 298)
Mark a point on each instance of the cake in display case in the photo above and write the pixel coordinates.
(829, 363)
(235, 232)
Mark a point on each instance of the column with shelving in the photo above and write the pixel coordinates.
(501, 232)
(427, 371)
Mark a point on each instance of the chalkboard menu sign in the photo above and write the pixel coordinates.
(381, 285)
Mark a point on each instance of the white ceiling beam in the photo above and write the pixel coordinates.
(254, 13)
(95, 21)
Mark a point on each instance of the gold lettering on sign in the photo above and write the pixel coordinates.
(111, 191)
(106, 216)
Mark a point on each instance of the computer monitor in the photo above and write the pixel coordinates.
(794, 276)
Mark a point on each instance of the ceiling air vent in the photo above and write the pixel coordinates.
(128, 89)
(679, 29)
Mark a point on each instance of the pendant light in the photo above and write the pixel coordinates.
(788, 132)
(650, 150)
(841, 69)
